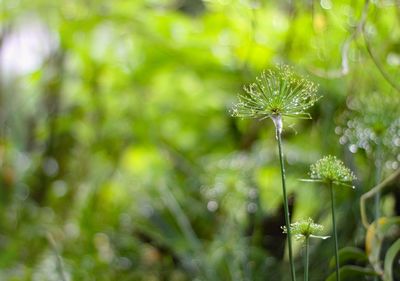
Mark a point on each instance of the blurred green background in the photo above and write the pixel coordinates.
(119, 159)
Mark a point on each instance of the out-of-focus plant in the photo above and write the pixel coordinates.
(278, 93)
(373, 125)
(332, 171)
(90, 125)
(384, 230)
(303, 230)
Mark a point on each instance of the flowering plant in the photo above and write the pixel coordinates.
(305, 229)
(277, 92)
(331, 170)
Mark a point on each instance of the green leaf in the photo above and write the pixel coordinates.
(349, 254)
(374, 239)
(311, 180)
(319, 237)
(391, 254)
(344, 184)
(352, 273)
(387, 224)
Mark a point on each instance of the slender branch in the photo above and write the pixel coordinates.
(372, 192)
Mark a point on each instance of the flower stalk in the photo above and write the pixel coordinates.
(331, 171)
(304, 230)
(278, 123)
(334, 231)
(306, 246)
(378, 171)
(278, 93)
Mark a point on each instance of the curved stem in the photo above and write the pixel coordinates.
(306, 260)
(379, 65)
(278, 125)
(394, 176)
(334, 231)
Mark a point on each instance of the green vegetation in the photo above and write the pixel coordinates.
(120, 158)
(332, 171)
(276, 94)
(303, 230)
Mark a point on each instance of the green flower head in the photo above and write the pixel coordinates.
(331, 169)
(277, 92)
(304, 229)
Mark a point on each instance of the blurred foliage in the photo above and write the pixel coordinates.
(119, 159)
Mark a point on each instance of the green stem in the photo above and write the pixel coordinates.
(377, 196)
(59, 262)
(335, 232)
(393, 177)
(306, 260)
(278, 125)
(378, 171)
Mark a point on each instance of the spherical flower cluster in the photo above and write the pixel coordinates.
(331, 169)
(278, 92)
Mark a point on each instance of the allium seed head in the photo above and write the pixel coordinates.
(331, 169)
(304, 229)
(277, 92)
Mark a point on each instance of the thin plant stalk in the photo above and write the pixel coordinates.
(378, 171)
(377, 200)
(278, 125)
(377, 196)
(393, 177)
(332, 171)
(306, 243)
(334, 231)
(59, 262)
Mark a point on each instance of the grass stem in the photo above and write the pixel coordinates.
(59, 263)
(285, 201)
(306, 242)
(335, 231)
(378, 178)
